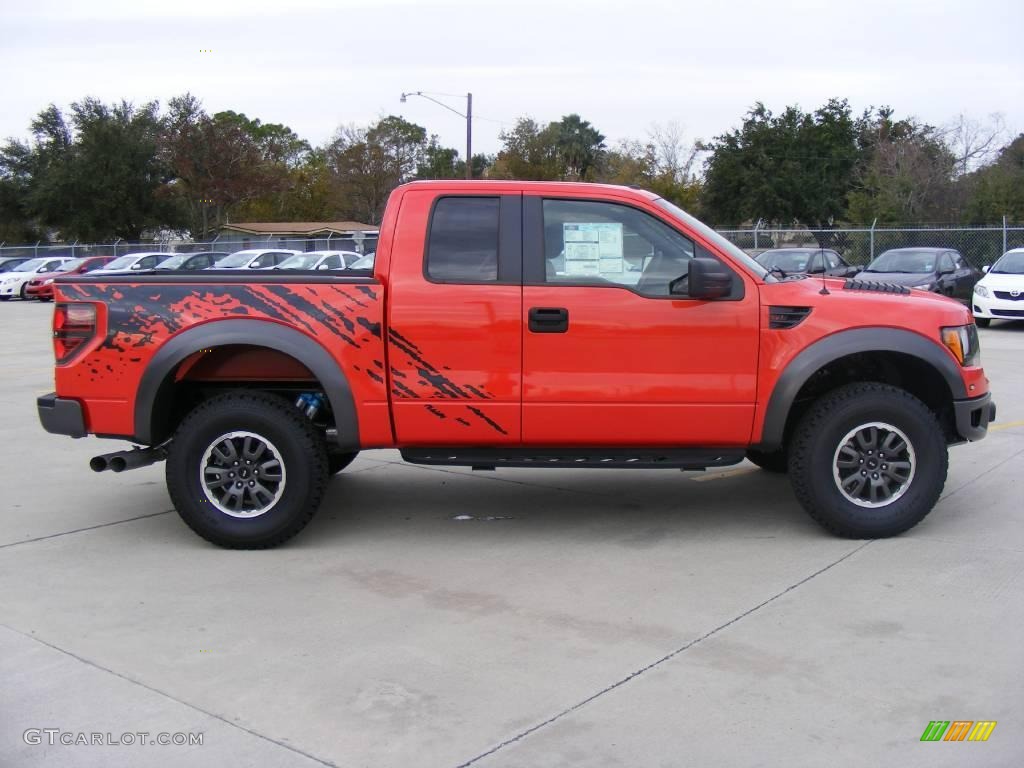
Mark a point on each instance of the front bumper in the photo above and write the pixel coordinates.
(61, 416)
(973, 416)
(995, 308)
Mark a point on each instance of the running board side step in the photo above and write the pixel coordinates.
(638, 458)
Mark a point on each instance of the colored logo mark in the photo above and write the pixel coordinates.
(958, 730)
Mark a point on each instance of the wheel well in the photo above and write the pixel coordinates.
(208, 372)
(907, 372)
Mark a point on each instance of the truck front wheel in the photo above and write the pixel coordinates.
(246, 470)
(868, 461)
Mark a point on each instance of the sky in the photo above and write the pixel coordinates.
(624, 66)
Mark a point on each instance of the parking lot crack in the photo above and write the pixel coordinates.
(170, 697)
(667, 657)
(87, 528)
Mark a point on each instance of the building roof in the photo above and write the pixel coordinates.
(300, 227)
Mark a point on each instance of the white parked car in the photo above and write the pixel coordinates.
(257, 258)
(1000, 293)
(365, 261)
(15, 282)
(320, 260)
(133, 262)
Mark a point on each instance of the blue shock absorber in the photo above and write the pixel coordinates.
(310, 403)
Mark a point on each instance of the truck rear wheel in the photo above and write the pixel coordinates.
(246, 470)
(868, 461)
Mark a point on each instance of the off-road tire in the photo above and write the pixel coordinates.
(770, 461)
(303, 454)
(336, 462)
(983, 322)
(816, 441)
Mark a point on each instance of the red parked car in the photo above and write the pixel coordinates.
(42, 287)
(519, 324)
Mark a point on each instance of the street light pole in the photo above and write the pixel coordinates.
(468, 117)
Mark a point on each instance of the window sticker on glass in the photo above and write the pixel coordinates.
(593, 249)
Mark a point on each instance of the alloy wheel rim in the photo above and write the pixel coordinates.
(242, 474)
(874, 464)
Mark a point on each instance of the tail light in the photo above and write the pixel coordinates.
(73, 326)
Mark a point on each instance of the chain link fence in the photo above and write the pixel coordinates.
(981, 246)
(360, 243)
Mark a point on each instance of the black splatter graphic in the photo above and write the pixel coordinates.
(435, 411)
(483, 416)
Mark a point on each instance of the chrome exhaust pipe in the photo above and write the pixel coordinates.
(120, 461)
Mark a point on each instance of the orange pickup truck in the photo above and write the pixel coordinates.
(519, 324)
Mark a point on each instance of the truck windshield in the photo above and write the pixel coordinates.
(708, 233)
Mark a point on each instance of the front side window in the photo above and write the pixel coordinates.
(599, 243)
(834, 262)
(462, 244)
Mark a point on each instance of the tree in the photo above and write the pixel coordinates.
(997, 189)
(789, 168)
(580, 147)
(96, 176)
(905, 174)
(226, 162)
(367, 163)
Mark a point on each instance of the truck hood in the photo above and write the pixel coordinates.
(843, 307)
(898, 278)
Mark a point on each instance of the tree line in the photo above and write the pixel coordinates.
(100, 171)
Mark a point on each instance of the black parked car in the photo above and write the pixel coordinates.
(941, 270)
(190, 262)
(811, 261)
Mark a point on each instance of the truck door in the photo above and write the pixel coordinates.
(609, 357)
(454, 331)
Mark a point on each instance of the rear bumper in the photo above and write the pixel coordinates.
(973, 416)
(61, 416)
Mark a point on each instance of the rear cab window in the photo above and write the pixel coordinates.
(462, 241)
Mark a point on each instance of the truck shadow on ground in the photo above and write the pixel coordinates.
(636, 508)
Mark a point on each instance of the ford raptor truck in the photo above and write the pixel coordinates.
(519, 324)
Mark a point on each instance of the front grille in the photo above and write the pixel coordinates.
(782, 318)
(1008, 312)
(1005, 295)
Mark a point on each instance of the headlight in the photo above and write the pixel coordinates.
(923, 286)
(47, 282)
(981, 290)
(962, 341)
(10, 280)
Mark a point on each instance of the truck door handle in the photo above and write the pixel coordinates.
(549, 320)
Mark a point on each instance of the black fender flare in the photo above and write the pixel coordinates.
(260, 333)
(841, 344)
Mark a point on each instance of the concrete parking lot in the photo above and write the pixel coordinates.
(589, 617)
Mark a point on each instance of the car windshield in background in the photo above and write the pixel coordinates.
(787, 261)
(173, 263)
(239, 259)
(299, 262)
(123, 262)
(711, 236)
(12, 266)
(1010, 264)
(68, 266)
(30, 266)
(904, 261)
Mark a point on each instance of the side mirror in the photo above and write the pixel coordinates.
(323, 266)
(985, 268)
(709, 279)
(136, 265)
